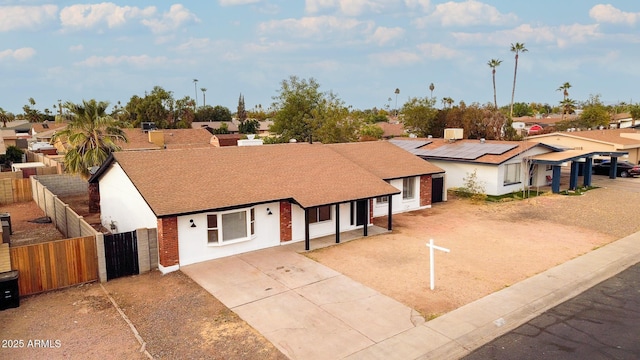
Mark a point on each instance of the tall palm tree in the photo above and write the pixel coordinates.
(565, 92)
(204, 99)
(493, 64)
(397, 92)
(431, 88)
(516, 48)
(195, 87)
(91, 135)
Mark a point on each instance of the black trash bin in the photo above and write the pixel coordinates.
(7, 217)
(9, 295)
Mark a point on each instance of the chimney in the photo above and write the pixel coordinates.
(156, 137)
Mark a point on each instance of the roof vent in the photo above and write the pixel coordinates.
(482, 140)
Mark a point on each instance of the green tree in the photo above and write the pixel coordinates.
(564, 88)
(91, 136)
(251, 126)
(420, 115)
(242, 112)
(516, 48)
(522, 109)
(5, 117)
(12, 155)
(156, 107)
(371, 132)
(634, 110)
(493, 64)
(220, 113)
(303, 112)
(594, 114)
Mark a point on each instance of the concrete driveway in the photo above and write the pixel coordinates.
(307, 310)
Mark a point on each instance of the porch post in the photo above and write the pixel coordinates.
(573, 179)
(588, 168)
(390, 212)
(306, 229)
(555, 182)
(614, 167)
(366, 219)
(337, 223)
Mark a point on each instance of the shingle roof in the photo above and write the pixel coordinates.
(610, 136)
(518, 148)
(385, 160)
(188, 181)
(173, 138)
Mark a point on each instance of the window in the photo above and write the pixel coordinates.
(319, 213)
(511, 174)
(408, 188)
(382, 200)
(230, 226)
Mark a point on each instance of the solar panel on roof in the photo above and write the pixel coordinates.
(469, 151)
(410, 145)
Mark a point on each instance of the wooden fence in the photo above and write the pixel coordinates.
(55, 264)
(15, 190)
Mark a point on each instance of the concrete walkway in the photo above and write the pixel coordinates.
(310, 311)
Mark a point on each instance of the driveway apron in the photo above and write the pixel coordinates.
(304, 308)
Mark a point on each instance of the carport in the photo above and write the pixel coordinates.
(556, 159)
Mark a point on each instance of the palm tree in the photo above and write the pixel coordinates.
(493, 64)
(195, 87)
(4, 117)
(447, 101)
(91, 135)
(397, 92)
(565, 91)
(516, 48)
(204, 99)
(431, 88)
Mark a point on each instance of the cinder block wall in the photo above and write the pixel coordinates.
(64, 184)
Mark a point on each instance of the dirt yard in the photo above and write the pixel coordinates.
(492, 246)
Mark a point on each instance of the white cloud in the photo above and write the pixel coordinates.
(171, 20)
(76, 48)
(383, 35)
(348, 7)
(194, 44)
(87, 16)
(317, 27)
(396, 58)
(467, 13)
(138, 61)
(18, 54)
(437, 51)
(237, 2)
(422, 4)
(562, 35)
(26, 17)
(609, 14)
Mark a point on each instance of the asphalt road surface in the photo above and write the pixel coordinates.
(601, 323)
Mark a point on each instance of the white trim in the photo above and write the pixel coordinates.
(167, 269)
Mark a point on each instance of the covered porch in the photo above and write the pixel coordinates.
(580, 161)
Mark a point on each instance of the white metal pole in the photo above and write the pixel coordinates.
(432, 268)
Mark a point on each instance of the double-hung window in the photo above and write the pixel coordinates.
(230, 226)
(408, 188)
(319, 213)
(511, 174)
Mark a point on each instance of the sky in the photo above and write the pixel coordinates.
(361, 50)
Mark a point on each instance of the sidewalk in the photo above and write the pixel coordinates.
(461, 331)
(310, 311)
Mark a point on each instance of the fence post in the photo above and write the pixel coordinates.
(142, 238)
(102, 262)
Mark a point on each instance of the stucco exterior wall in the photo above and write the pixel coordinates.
(121, 203)
(321, 228)
(398, 203)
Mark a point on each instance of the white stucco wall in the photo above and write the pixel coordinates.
(193, 246)
(399, 204)
(121, 203)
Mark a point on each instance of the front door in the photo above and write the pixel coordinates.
(361, 212)
(437, 189)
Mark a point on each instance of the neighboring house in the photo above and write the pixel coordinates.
(44, 131)
(138, 139)
(391, 130)
(622, 121)
(220, 140)
(607, 140)
(211, 126)
(211, 203)
(501, 167)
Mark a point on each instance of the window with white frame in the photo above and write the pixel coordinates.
(319, 213)
(382, 200)
(230, 226)
(511, 174)
(408, 188)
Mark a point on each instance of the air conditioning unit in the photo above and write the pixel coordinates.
(453, 134)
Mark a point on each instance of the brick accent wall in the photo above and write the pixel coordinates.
(370, 211)
(168, 241)
(426, 187)
(285, 221)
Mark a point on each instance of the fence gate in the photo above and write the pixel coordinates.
(121, 254)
